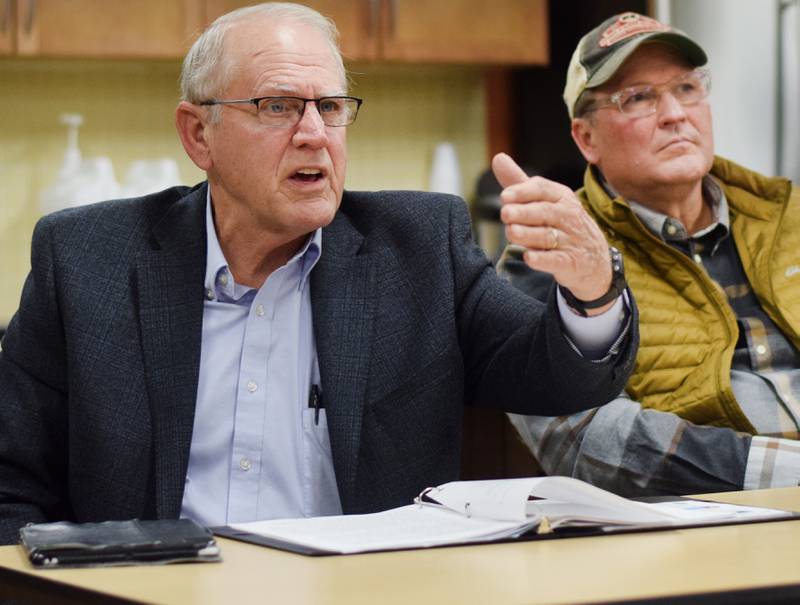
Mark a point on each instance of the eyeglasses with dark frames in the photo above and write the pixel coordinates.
(286, 112)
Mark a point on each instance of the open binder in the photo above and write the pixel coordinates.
(470, 512)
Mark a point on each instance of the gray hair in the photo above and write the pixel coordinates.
(207, 71)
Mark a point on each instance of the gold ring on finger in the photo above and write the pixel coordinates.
(554, 234)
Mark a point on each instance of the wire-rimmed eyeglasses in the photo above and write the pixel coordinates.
(285, 112)
(641, 101)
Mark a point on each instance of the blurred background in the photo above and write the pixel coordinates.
(88, 89)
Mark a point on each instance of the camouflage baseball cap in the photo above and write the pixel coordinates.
(602, 51)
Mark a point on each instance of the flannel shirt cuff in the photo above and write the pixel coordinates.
(772, 462)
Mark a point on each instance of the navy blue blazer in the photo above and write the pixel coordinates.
(99, 367)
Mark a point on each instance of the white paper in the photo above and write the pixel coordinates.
(502, 499)
(507, 499)
(409, 526)
(701, 511)
(566, 497)
(473, 511)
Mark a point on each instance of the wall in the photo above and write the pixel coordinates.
(740, 38)
(128, 111)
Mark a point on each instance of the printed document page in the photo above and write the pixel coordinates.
(411, 526)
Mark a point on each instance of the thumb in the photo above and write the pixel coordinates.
(506, 170)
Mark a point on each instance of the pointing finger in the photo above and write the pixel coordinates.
(506, 170)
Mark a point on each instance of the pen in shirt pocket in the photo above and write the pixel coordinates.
(315, 401)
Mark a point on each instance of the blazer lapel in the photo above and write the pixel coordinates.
(169, 281)
(343, 295)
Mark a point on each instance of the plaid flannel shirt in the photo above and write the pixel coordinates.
(634, 451)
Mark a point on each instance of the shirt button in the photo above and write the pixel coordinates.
(252, 386)
(761, 350)
(223, 279)
(671, 229)
(245, 464)
(698, 259)
(260, 310)
(209, 294)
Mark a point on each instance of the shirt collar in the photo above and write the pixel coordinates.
(670, 229)
(218, 280)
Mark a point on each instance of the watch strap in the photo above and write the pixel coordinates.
(618, 285)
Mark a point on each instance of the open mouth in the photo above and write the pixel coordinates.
(308, 175)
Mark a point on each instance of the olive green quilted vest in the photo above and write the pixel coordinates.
(688, 330)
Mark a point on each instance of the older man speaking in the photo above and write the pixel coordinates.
(268, 344)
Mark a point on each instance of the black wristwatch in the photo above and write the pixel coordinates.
(618, 285)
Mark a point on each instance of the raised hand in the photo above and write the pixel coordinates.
(559, 236)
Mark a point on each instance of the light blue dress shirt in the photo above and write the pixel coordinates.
(257, 450)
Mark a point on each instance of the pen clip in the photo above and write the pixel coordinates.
(315, 401)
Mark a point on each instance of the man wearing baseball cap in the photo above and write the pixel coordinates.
(712, 255)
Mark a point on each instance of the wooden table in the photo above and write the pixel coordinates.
(753, 563)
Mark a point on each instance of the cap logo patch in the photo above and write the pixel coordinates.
(629, 25)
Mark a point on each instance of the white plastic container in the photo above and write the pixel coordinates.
(445, 171)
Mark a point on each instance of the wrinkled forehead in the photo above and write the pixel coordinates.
(651, 63)
(281, 50)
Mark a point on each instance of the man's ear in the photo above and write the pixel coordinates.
(583, 134)
(192, 124)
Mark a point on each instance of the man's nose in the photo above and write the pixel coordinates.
(669, 108)
(311, 128)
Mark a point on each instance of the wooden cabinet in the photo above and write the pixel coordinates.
(425, 31)
(465, 31)
(7, 26)
(503, 32)
(106, 28)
